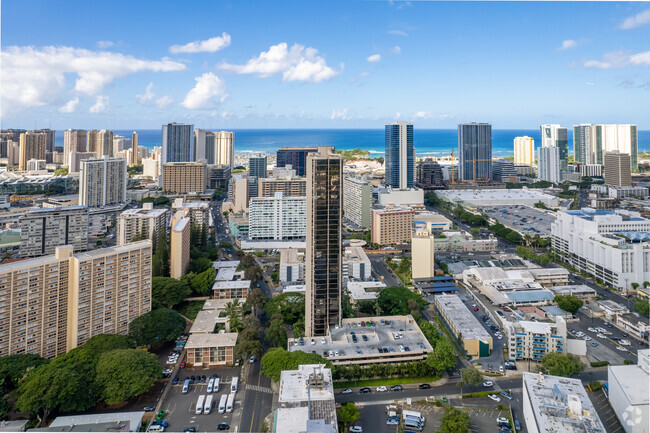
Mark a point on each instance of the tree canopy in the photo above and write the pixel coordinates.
(642, 306)
(395, 300)
(454, 420)
(570, 303)
(443, 356)
(561, 364)
(169, 291)
(199, 265)
(202, 283)
(470, 376)
(347, 414)
(291, 306)
(278, 359)
(157, 327)
(125, 373)
(13, 369)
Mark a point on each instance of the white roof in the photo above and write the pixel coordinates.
(239, 284)
(633, 380)
(134, 418)
(226, 274)
(225, 264)
(463, 319)
(364, 290)
(205, 321)
(225, 339)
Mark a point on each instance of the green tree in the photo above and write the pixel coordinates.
(200, 265)
(570, 303)
(61, 172)
(160, 258)
(256, 299)
(290, 305)
(169, 291)
(454, 420)
(157, 327)
(443, 356)
(202, 283)
(275, 334)
(642, 306)
(561, 364)
(225, 245)
(470, 376)
(14, 368)
(347, 414)
(126, 373)
(278, 359)
(248, 348)
(394, 300)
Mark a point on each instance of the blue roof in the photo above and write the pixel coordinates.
(441, 289)
(530, 296)
(444, 285)
(635, 236)
(443, 278)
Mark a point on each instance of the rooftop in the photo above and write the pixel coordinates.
(226, 274)
(206, 321)
(225, 264)
(134, 418)
(146, 213)
(355, 255)
(633, 380)
(288, 256)
(238, 284)
(221, 339)
(365, 290)
(181, 224)
(113, 250)
(463, 319)
(530, 296)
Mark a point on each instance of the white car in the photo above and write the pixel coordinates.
(624, 342)
(586, 338)
(622, 349)
(356, 429)
(382, 389)
(487, 384)
(494, 397)
(600, 336)
(590, 329)
(501, 369)
(580, 334)
(502, 419)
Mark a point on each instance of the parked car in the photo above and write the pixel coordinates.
(149, 408)
(396, 388)
(365, 390)
(487, 384)
(356, 429)
(517, 425)
(494, 397)
(392, 421)
(502, 419)
(382, 389)
(425, 386)
(594, 344)
(347, 391)
(223, 426)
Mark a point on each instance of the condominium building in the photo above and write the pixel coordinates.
(104, 143)
(57, 302)
(591, 170)
(145, 223)
(288, 187)
(75, 158)
(184, 177)
(532, 340)
(556, 136)
(200, 140)
(428, 175)
(295, 157)
(548, 164)
(178, 143)
(219, 177)
(49, 138)
(391, 224)
(475, 151)
(422, 248)
(257, 166)
(42, 230)
(279, 217)
(179, 255)
(32, 146)
(592, 142)
(524, 151)
(197, 211)
(102, 182)
(323, 251)
(239, 192)
(224, 148)
(151, 167)
(463, 326)
(74, 140)
(617, 169)
(503, 170)
(357, 201)
(613, 247)
(356, 264)
(135, 154)
(400, 155)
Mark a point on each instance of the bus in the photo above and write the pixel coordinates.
(186, 386)
(211, 385)
(233, 384)
(215, 387)
(413, 425)
(207, 406)
(230, 403)
(199, 404)
(222, 403)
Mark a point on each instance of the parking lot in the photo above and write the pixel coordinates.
(605, 411)
(180, 408)
(606, 350)
(523, 219)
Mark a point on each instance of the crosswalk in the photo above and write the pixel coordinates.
(259, 389)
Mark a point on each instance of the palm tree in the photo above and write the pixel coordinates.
(233, 308)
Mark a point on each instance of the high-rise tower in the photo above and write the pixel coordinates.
(178, 142)
(400, 155)
(475, 151)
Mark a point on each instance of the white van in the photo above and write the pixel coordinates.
(186, 386)
(215, 387)
(222, 403)
(199, 404)
(233, 384)
(230, 403)
(207, 406)
(156, 427)
(211, 385)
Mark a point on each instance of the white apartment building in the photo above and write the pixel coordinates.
(548, 164)
(292, 266)
(611, 246)
(532, 340)
(102, 182)
(151, 167)
(422, 253)
(357, 201)
(43, 230)
(146, 222)
(629, 394)
(524, 151)
(591, 142)
(356, 264)
(278, 218)
(224, 148)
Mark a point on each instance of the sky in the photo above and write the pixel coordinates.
(322, 64)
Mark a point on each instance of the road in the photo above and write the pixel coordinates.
(257, 399)
(380, 269)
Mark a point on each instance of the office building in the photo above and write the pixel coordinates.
(178, 143)
(548, 164)
(422, 248)
(184, 177)
(292, 266)
(57, 302)
(556, 136)
(524, 151)
(357, 201)
(219, 177)
(532, 340)
(428, 175)
(210, 148)
(102, 182)
(475, 151)
(36, 165)
(400, 155)
(74, 140)
(306, 401)
(239, 192)
(42, 230)
(32, 146)
(557, 404)
(613, 247)
(179, 254)
(591, 170)
(463, 326)
(151, 167)
(134, 150)
(356, 264)
(75, 158)
(257, 166)
(296, 157)
(288, 187)
(200, 145)
(629, 394)
(617, 169)
(592, 142)
(145, 223)
(279, 217)
(503, 170)
(323, 251)
(224, 148)
(391, 224)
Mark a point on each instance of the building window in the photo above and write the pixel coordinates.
(198, 355)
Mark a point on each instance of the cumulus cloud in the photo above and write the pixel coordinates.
(208, 46)
(70, 106)
(148, 94)
(373, 58)
(295, 64)
(397, 32)
(105, 44)
(340, 114)
(619, 59)
(568, 44)
(638, 20)
(101, 105)
(397, 49)
(423, 115)
(37, 76)
(208, 86)
(164, 101)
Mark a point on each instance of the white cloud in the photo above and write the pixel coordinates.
(295, 64)
(70, 106)
(638, 20)
(373, 58)
(208, 46)
(101, 105)
(34, 77)
(423, 115)
(398, 115)
(364, 74)
(208, 86)
(105, 44)
(164, 101)
(340, 114)
(619, 59)
(397, 49)
(397, 32)
(148, 95)
(568, 44)
(590, 83)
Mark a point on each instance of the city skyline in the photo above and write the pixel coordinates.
(400, 61)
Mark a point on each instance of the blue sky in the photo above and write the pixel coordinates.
(328, 64)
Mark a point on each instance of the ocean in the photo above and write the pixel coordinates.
(427, 142)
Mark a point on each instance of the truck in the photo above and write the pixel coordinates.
(391, 410)
(222, 403)
(199, 404)
(207, 406)
(233, 384)
(230, 403)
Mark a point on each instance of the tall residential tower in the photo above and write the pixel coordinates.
(475, 151)
(556, 136)
(400, 155)
(178, 142)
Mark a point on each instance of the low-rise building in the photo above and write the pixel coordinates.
(463, 326)
(356, 264)
(620, 192)
(578, 290)
(629, 394)
(634, 324)
(364, 290)
(235, 289)
(507, 287)
(498, 197)
(400, 197)
(460, 241)
(211, 350)
(100, 422)
(292, 266)
(532, 340)
(433, 222)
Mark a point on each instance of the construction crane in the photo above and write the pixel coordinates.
(474, 168)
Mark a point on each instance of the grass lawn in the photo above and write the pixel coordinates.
(190, 309)
(385, 382)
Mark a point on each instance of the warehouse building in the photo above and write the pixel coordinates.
(462, 324)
